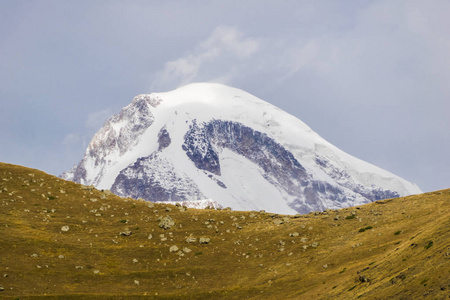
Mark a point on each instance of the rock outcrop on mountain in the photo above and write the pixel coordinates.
(210, 141)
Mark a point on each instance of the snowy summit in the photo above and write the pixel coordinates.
(210, 141)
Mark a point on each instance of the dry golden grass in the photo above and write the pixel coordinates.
(390, 249)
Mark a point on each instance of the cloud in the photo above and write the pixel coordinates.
(232, 40)
(214, 59)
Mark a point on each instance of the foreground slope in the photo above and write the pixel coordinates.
(66, 240)
(210, 141)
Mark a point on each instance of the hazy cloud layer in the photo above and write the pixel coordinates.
(216, 59)
(369, 76)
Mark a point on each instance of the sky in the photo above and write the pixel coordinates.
(371, 77)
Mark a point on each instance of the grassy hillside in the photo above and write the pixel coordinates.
(69, 241)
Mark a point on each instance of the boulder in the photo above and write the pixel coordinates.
(166, 223)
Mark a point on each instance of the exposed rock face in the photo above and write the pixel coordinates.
(208, 142)
(163, 139)
(203, 143)
(153, 177)
(120, 133)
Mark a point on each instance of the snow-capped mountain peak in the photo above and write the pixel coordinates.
(211, 141)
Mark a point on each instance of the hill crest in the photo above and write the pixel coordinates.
(66, 240)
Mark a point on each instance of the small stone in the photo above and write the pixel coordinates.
(108, 192)
(186, 250)
(126, 233)
(173, 248)
(89, 188)
(191, 239)
(294, 234)
(135, 260)
(150, 236)
(363, 278)
(96, 271)
(136, 282)
(93, 200)
(204, 240)
(277, 222)
(61, 256)
(65, 228)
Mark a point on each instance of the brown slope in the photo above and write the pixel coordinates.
(402, 253)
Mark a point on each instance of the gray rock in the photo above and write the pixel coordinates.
(108, 193)
(126, 233)
(173, 248)
(89, 188)
(363, 278)
(191, 239)
(166, 223)
(277, 222)
(204, 240)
